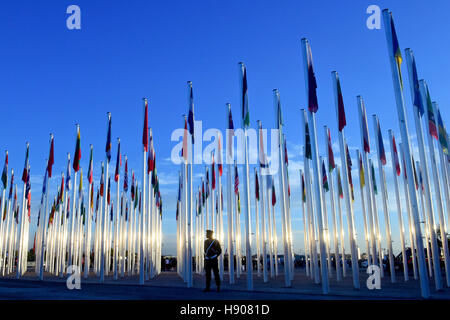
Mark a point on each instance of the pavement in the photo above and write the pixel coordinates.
(170, 286)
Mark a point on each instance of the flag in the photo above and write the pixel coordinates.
(25, 168)
(324, 177)
(279, 114)
(313, 105)
(236, 180)
(262, 156)
(11, 185)
(92, 196)
(341, 110)
(118, 163)
(80, 187)
(230, 133)
(77, 154)
(61, 188)
(125, 176)
(331, 164)
(28, 196)
(207, 183)
(111, 213)
(184, 151)
(381, 144)
(303, 189)
(341, 193)
(5, 172)
(442, 132)
(286, 160)
(219, 161)
(191, 111)
(151, 155)
(203, 193)
(108, 139)
(238, 202)
(397, 162)
(274, 198)
(126, 212)
(365, 128)
(97, 202)
(4, 213)
(431, 120)
(361, 172)
(256, 186)
(102, 182)
(308, 152)
(51, 159)
(396, 51)
(68, 174)
(416, 181)
(213, 174)
(374, 180)
(108, 195)
(15, 202)
(349, 168)
(145, 130)
(90, 168)
(417, 96)
(244, 101)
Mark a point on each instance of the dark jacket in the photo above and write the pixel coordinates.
(212, 250)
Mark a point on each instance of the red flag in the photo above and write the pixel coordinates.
(219, 162)
(397, 162)
(213, 173)
(145, 132)
(256, 187)
(274, 198)
(51, 159)
(331, 164)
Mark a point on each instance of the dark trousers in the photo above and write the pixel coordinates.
(212, 264)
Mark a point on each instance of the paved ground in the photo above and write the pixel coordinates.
(169, 286)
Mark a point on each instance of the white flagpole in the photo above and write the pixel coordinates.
(270, 228)
(7, 236)
(43, 234)
(238, 234)
(405, 139)
(229, 201)
(333, 212)
(103, 215)
(219, 218)
(263, 210)
(258, 251)
(316, 175)
(325, 220)
(376, 125)
(399, 206)
(363, 205)
(21, 231)
(305, 230)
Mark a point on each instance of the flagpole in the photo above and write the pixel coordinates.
(43, 235)
(219, 218)
(238, 228)
(229, 199)
(376, 125)
(363, 205)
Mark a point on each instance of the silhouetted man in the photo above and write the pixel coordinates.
(212, 252)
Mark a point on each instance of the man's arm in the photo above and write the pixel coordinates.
(218, 248)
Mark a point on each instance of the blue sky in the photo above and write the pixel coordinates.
(53, 77)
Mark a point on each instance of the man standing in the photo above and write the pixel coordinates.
(212, 252)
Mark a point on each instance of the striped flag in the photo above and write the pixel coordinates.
(108, 195)
(396, 51)
(303, 189)
(219, 161)
(151, 155)
(324, 178)
(51, 159)
(365, 128)
(331, 164)
(91, 167)
(396, 160)
(313, 105)
(80, 187)
(213, 173)
(442, 132)
(341, 193)
(25, 167)
(125, 176)
(381, 144)
(77, 154)
(108, 139)
(102, 183)
(374, 180)
(68, 177)
(244, 97)
(431, 120)
(361, 172)
(417, 96)
(145, 129)
(230, 133)
(207, 183)
(118, 162)
(11, 185)
(132, 187)
(236, 180)
(349, 168)
(5, 172)
(28, 195)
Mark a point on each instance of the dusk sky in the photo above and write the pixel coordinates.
(52, 78)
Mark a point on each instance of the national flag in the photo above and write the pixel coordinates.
(136, 196)
(303, 189)
(431, 119)
(362, 180)
(230, 133)
(256, 186)
(118, 162)
(244, 99)
(219, 160)
(5, 172)
(199, 201)
(80, 187)
(126, 211)
(11, 185)
(97, 201)
(102, 182)
(286, 160)
(151, 155)
(262, 156)
(28, 195)
(381, 144)
(442, 132)
(308, 152)
(374, 180)
(4, 213)
(203, 192)
(207, 183)
(111, 213)
(145, 129)
(341, 193)
(417, 96)
(184, 151)
(324, 178)
(331, 164)
(91, 166)
(416, 180)
(349, 169)
(25, 168)
(236, 180)
(396, 51)
(51, 158)
(108, 195)
(77, 154)
(108, 139)
(61, 188)
(191, 111)
(238, 202)
(125, 176)
(213, 173)
(313, 105)
(92, 196)
(274, 198)
(138, 202)
(396, 161)
(365, 128)
(341, 110)
(68, 174)
(279, 113)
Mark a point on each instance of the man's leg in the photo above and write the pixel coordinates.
(215, 268)
(208, 274)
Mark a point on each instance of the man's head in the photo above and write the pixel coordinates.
(209, 234)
